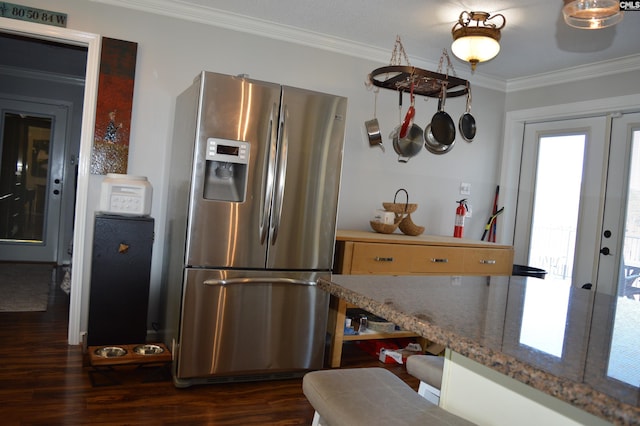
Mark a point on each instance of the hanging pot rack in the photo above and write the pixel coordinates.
(425, 83)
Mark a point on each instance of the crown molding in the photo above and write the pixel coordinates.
(573, 74)
(236, 22)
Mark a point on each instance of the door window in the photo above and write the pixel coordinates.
(23, 176)
(32, 143)
(554, 225)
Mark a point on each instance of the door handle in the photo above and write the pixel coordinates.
(281, 174)
(605, 251)
(269, 178)
(249, 280)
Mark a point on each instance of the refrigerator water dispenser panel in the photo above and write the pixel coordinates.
(226, 170)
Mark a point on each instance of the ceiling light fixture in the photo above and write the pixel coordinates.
(475, 38)
(592, 14)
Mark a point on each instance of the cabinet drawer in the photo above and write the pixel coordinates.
(372, 258)
(488, 261)
(436, 260)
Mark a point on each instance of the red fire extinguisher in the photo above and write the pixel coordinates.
(461, 212)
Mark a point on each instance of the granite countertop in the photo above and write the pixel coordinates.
(480, 318)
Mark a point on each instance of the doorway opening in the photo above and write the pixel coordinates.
(41, 98)
(80, 210)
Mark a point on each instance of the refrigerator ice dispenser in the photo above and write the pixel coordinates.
(226, 170)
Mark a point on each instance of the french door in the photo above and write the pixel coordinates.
(32, 143)
(614, 349)
(563, 170)
(578, 218)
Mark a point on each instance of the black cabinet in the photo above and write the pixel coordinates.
(120, 273)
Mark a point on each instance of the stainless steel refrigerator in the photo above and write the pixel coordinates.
(254, 181)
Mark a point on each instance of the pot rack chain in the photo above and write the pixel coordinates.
(397, 56)
(399, 53)
(425, 83)
(445, 55)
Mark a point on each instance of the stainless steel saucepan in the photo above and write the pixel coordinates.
(409, 144)
(373, 127)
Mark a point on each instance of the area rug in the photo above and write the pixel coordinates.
(24, 287)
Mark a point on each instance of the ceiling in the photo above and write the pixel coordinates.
(534, 41)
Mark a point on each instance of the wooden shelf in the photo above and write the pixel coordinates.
(374, 336)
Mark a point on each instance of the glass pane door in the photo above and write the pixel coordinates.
(615, 346)
(556, 230)
(32, 142)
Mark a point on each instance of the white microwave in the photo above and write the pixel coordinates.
(125, 195)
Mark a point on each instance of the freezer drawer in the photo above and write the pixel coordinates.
(247, 323)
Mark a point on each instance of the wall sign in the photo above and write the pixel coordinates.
(31, 14)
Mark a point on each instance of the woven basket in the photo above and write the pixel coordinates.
(400, 208)
(387, 228)
(383, 228)
(409, 228)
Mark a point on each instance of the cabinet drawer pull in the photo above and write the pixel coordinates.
(488, 261)
(383, 259)
(440, 260)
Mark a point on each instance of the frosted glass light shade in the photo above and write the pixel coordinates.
(592, 14)
(476, 37)
(475, 48)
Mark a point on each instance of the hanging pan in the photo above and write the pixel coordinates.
(432, 145)
(467, 124)
(442, 126)
(373, 127)
(407, 140)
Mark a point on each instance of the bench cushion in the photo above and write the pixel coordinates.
(371, 396)
(427, 369)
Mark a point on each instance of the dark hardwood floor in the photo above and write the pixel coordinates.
(44, 381)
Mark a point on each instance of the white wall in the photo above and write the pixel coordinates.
(170, 54)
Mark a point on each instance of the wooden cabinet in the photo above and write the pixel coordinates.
(369, 253)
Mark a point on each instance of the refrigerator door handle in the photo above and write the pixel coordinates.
(267, 181)
(283, 144)
(250, 280)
